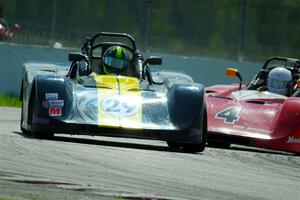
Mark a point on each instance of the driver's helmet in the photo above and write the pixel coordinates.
(279, 80)
(115, 60)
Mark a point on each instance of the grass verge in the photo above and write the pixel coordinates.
(9, 100)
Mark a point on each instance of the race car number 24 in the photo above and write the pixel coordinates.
(230, 115)
(118, 107)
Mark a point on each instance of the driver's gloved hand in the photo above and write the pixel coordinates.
(83, 68)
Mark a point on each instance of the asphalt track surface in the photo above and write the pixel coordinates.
(86, 167)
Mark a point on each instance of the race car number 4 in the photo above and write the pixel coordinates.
(230, 115)
(121, 107)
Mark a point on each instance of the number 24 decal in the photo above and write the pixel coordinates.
(120, 107)
(230, 115)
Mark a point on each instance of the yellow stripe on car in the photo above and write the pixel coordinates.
(119, 101)
(106, 81)
(130, 88)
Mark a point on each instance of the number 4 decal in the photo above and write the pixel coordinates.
(230, 115)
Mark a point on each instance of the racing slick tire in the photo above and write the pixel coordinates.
(192, 147)
(187, 148)
(34, 133)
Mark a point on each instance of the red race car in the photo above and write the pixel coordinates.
(264, 113)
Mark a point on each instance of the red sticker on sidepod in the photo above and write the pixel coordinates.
(55, 111)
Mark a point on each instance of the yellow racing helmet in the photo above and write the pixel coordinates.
(116, 60)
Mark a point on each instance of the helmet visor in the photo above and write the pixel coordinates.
(117, 63)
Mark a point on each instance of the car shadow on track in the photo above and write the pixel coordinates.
(110, 143)
(95, 141)
(254, 150)
(28, 136)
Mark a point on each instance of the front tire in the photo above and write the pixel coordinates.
(174, 146)
(37, 134)
(193, 147)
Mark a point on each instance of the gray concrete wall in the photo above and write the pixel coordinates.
(12, 56)
(210, 71)
(204, 70)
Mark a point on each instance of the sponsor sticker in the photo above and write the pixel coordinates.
(293, 140)
(51, 96)
(56, 103)
(53, 103)
(55, 111)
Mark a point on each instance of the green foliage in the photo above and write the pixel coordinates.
(212, 28)
(36, 198)
(9, 100)
(2, 198)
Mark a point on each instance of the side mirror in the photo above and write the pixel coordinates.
(153, 60)
(298, 83)
(232, 72)
(76, 56)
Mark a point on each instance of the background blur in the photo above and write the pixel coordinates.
(199, 37)
(230, 29)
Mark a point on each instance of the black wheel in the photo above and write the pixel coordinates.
(188, 148)
(193, 147)
(36, 134)
(174, 145)
(218, 144)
